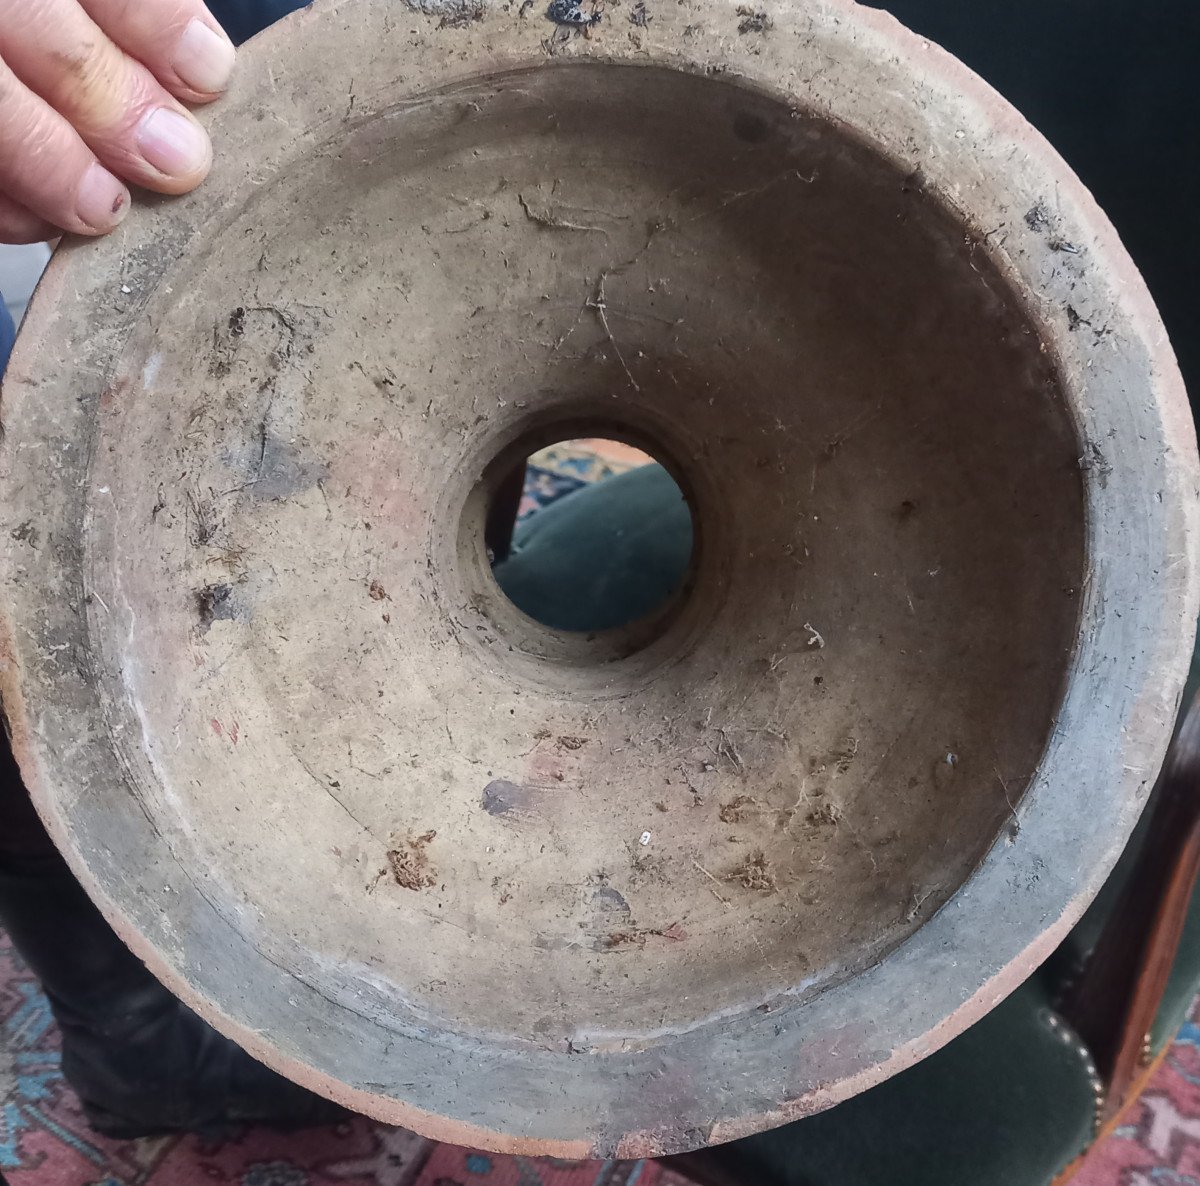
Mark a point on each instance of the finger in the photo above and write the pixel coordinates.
(19, 225)
(179, 41)
(48, 170)
(124, 115)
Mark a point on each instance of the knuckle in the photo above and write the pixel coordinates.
(20, 17)
(145, 27)
(119, 134)
(120, 11)
(39, 156)
(28, 139)
(122, 158)
(93, 83)
(10, 90)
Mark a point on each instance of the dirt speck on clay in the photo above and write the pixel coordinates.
(409, 862)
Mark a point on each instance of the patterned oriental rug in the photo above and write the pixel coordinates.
(566, 467)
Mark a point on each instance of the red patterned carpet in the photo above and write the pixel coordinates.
(1158, 1143)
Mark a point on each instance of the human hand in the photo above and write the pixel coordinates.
(90, 96)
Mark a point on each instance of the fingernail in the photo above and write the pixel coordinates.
(173, 143)
(102, 201)
(203, 58)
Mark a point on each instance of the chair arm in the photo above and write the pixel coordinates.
(1113, 1002)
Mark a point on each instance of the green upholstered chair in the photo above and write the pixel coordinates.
(1015, 1099)
(603, 556)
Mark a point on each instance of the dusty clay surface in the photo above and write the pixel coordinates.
(392, 831)
(313, 653)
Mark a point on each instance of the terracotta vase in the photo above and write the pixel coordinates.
(632, 893)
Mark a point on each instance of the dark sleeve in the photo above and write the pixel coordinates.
(7, 333)
(243, 18)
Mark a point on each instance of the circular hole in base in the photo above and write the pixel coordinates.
(589, 535)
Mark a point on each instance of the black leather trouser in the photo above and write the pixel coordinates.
(140, 1061)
